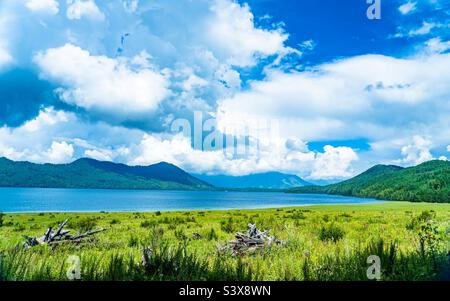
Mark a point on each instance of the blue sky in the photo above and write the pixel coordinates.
(108, 79)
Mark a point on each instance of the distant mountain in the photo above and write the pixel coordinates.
(268, 180)
(89, 173)
(427, 182)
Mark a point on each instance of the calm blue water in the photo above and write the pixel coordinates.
(79, 200)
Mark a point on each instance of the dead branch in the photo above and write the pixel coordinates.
(59, 236)
(250, 241)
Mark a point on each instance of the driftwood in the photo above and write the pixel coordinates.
(60, 236)
(250, 241)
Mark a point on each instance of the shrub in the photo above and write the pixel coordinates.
(114, 221)
(148, 224)
(424, 217)
(1, 219)
(84, 225)
(158, 213)
(331, 233)
(298, 215)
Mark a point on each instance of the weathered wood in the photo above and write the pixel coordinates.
(250, 242)
(89, 233)
(58, 231)
(60, 236)
(47, 233)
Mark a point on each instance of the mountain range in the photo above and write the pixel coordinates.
(89, 173)
(268, 180)
(427, 182)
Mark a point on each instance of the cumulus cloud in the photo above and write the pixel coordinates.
(43, 6)
(360, 94)
(407, 7)
(418, 151)
(18, 143)
(102, 84)
(334, 162)
(59, 152)
(234, 34)
(78, 9)
(59, 137)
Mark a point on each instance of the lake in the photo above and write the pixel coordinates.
(80, 200)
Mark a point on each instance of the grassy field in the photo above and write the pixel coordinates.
(330, 242)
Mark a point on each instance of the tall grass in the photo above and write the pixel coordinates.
(326, 243)
(175, 262)
(168, 262)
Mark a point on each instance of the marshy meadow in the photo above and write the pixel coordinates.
(328, 242)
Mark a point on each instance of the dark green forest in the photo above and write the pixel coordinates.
(427, 182)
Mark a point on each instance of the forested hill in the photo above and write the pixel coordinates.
(427, 182)
(89, 173)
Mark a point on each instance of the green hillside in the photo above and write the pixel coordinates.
(88, 173)
(427, 182)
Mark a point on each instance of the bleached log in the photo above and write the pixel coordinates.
(59, 236)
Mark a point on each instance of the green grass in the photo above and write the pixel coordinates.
(329, 242)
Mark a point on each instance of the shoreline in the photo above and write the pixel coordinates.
(383, 205)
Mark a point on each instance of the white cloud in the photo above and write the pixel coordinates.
(407, 7)
(307, 45)
(448, 148)
(102, 84)
(101, 155)
(297, 145)
(78, 9)
(349, 98)
(33, 140)
(232, 32)
(43, 6)
(59, 152)
(423, 30)
(334, 163)
(418, 151)
(51, 136)
(436, 45)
